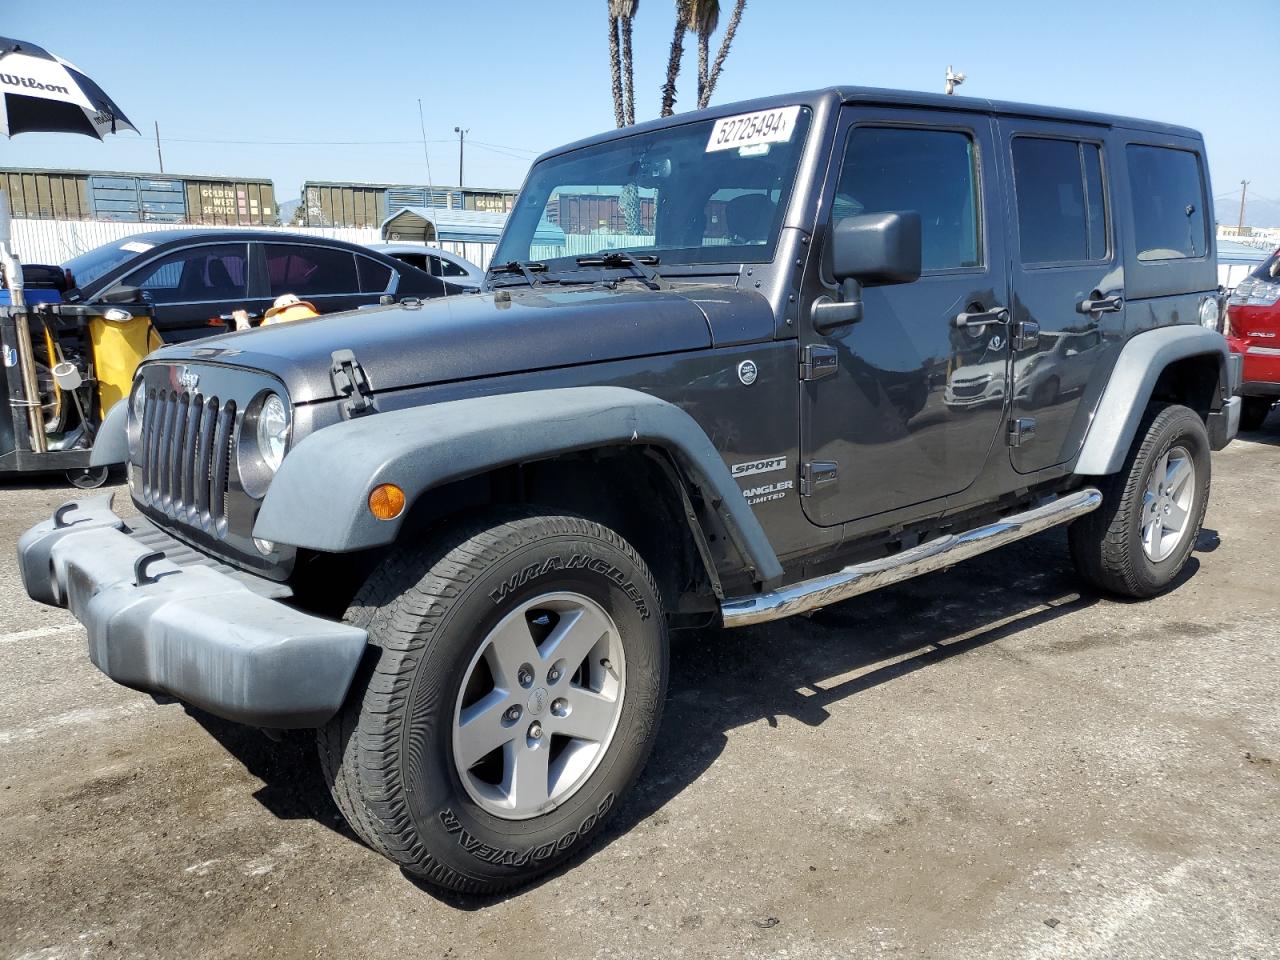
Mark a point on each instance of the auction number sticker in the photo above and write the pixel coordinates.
(751, 129)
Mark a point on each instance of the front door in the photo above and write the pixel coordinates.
(1067, 284)
(905, 405)
(194, 289)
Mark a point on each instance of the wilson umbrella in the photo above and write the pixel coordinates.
(46, 94)
(41, 94)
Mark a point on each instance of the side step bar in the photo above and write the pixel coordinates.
(860, 578)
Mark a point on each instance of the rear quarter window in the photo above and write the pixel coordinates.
(1166, 190)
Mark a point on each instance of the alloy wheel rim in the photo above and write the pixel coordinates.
(1166, 504)
(539, 705)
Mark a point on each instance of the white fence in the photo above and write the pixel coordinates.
(56, 241)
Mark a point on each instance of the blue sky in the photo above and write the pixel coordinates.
(527, 76)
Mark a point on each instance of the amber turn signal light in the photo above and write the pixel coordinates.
(386, 501)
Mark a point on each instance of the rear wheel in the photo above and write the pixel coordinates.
(510, 699)
(1254, 411)
(1138, 541)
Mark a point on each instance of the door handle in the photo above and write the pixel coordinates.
(1111, 304)
(983, 318)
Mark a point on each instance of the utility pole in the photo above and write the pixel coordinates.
(953, 80)
(159, 155)
(1244, 186)
(462, 135)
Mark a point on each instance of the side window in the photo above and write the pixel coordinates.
(375, 277)
(1166, 188)
(215, 272)
(433, 265)
(1061, 206)
(310, 271)
(450, 269)
(933, 172)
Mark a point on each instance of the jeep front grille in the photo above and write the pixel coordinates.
(187, 442)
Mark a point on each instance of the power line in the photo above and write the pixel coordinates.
(345, 143)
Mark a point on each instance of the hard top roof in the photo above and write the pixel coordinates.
(158, 237)
(893, 98)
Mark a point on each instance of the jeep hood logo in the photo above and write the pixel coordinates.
(188, 379)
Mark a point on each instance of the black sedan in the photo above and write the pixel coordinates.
(195, 278)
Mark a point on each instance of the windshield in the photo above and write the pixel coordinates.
(1269, 269)
(99, 261)
(714, 191)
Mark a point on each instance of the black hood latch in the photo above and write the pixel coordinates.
(349, 380)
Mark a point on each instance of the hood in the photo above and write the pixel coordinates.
(467, 336)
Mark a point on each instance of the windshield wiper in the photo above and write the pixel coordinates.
(613, 259)
(523, 268)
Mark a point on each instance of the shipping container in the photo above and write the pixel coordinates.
(341, 204)
(139, 197)
(47, 194)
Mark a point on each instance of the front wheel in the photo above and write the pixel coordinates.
(1138, 541)
(511, 698)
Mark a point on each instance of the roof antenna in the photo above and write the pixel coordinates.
(953, 80)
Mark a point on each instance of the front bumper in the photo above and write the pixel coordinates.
(1224, 424)
(196, 632)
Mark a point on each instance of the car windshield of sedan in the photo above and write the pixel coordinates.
(100, 261)
(714, 191)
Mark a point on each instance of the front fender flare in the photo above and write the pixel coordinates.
(319, 497)
(111, 442)
(1142, 359)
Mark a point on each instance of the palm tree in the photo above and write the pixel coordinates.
(701, 18)
(626, 13)
(674, 57)
(621, 15)
(615, 66)
(704, 17)
(705, 90)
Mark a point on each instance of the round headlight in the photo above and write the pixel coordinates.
(273, 431)
(1209, 313)
(139, 402)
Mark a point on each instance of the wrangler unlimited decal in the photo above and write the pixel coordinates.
(768, 491)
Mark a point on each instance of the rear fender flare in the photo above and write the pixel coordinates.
(319, 498)
(1133, 379)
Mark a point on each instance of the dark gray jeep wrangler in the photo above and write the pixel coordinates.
(727, 367)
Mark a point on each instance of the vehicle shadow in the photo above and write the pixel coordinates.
(1268, 434)
(797, 669)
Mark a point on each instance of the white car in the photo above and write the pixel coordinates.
(439, 263)
(1060, 369)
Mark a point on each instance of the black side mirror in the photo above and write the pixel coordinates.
(121, 293)
(870, 248)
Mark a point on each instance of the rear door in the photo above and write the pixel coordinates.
(324, 276)
(1068, 284)
(904, 406)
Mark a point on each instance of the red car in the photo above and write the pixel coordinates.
(1253, 328)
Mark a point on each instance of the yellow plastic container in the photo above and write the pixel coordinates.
(118, 348)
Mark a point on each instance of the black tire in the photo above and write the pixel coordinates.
(1254, 412)
(1106, 545)
(88, 478)
(388, 755)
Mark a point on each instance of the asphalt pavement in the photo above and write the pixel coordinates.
(986, 762)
